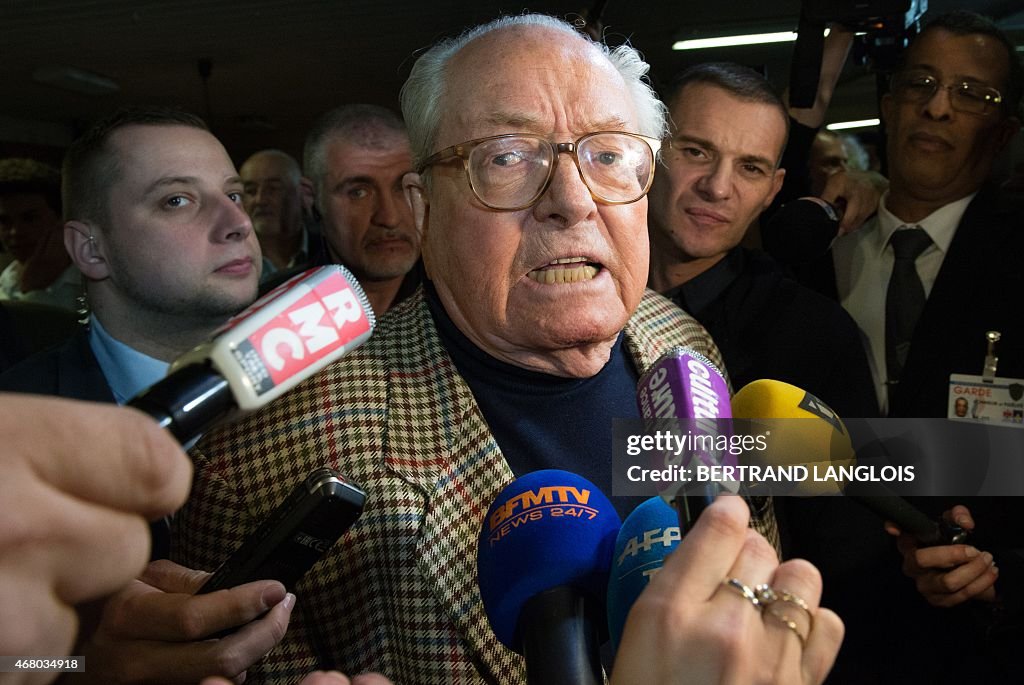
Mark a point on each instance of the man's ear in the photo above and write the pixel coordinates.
(885, 107)
(307, 194)
(777, 177)
(1005, 132)
(85, 250)
(416, 196)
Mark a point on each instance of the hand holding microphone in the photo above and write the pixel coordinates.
(708, 615)
(945, 571)
(157, 630)
(948, 575)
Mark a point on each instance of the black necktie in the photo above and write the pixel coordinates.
(905, 298)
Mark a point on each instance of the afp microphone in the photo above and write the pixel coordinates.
(685, 385)
(276, 343)
(647, 536)
(544, 553)
(822, 438)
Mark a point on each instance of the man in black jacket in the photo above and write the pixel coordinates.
(952, 108)
(719, 172)
(156, 226)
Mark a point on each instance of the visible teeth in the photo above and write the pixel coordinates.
(584, 272)
(567, 260)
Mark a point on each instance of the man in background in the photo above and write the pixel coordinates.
(355, 156)
(31, 231)
(272, 197)
(156, 226)
(719, 172)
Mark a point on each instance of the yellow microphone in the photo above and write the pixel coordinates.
(804, 431)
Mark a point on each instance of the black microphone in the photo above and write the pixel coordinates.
(276, 343)
(802, 230)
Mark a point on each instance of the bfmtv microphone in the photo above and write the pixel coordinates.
(822, 438)
(647, 536)
(685, 385)
(279, 341)
(802, 230)
(543, 558)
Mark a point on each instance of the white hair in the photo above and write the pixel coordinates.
(424, 90)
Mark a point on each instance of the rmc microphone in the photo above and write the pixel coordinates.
(276, 343)
(543, 558)
(647, 536)
(685, 385)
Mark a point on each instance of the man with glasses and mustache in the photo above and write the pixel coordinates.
(938, 268)
(534, 149)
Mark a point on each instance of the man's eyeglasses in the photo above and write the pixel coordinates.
(916, 87)
(512, 171)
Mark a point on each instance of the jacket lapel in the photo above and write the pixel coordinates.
(437, 441)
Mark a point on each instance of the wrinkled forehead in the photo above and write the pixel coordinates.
(532, 79)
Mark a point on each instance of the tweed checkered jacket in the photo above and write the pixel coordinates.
(398, 593)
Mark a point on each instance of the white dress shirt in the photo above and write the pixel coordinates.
(863, 262)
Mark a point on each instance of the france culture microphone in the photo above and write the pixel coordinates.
(543, 558)
(823, 439)
(279, 341)
(685, 385)
(647, 536)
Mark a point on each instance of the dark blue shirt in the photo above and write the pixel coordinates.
(542, 421)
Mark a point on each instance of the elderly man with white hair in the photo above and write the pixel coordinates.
(535, 147)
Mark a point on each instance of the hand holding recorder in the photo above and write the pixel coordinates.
(156, 630)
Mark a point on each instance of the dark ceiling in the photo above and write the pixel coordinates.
(275, 65)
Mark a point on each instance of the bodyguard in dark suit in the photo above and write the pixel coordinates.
(938, 268)
(156, 227)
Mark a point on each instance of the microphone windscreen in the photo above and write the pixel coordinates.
(287, 335)
(804, 430)
(645, 539)
(685, 385)
(547, 529)
(801, 230)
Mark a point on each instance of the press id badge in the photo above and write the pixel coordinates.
(996, 401)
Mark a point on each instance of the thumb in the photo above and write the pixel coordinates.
(170, 577)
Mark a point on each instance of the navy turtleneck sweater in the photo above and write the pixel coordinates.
(542, 421)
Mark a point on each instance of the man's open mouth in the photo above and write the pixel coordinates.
(565, 270)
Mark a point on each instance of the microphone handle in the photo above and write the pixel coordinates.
(690, 506)
(187, 402)
(559, 636)
(912, 520)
